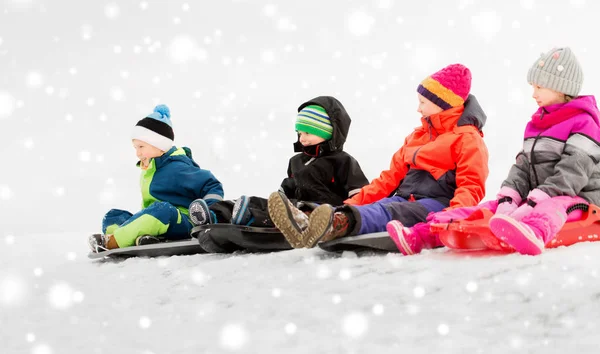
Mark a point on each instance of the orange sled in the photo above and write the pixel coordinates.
(473, 232)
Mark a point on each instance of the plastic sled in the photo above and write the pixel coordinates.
(229, 238)
(379, 241)
(473, 232)
(163, 249)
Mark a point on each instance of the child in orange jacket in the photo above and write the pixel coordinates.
(442, 164)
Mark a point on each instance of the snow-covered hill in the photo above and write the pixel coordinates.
(53, 300)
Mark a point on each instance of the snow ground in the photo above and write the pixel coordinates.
(53, 300)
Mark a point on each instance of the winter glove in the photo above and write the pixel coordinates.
(451, 215)
(508, 201)
(444, 217)
(534, 197)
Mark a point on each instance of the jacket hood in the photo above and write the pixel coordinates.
(340, 121)
(473, 114)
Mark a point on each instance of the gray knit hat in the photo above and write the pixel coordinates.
(557, 70)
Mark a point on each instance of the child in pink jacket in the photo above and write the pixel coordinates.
(556, 174)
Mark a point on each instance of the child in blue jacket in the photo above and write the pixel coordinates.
(170, 181)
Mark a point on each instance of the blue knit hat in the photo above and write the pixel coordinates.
(156, 129)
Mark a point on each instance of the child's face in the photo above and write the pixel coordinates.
(426, 107)
(545, 97)
(145, 152)
(307, 139)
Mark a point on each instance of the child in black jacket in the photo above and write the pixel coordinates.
(320, 173)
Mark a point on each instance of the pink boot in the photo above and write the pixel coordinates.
(536, 228)
(412, 240)
(517, 234)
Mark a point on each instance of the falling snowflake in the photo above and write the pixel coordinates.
(59, 191)
(117, 94)
(38, 272)
(345, 274)
(378, 309)
(9, 239)
(336, 299)
(30, 337)
(276, 292)
(198, 277)
(355, 324)
(233, 337)
(419, 292)
(12, 290)
(471, 287)
(290, 328)
(270, 10)
(86, 32)
(145, 322)
(112, 11)
(85, 156)
(61, 296)
(359, 23)
(443, 329)
(323, 271)
(143, 5)
(41, 349)
(185, 7)
(5, 192)
(7, 105)
(28, 143)
(34, 80)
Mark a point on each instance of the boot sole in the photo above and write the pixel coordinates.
(282, 217)
(515, 234)
(320, 222)
(395, 229)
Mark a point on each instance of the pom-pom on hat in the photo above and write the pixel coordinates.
(448, 87)
(557, 70)
(156, 129)
(314, 120)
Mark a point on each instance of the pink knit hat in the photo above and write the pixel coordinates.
(448, 87)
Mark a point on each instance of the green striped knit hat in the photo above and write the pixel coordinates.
(314, 120)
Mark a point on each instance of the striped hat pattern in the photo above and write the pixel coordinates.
(156, 129)
(314, 120)
(448, 87)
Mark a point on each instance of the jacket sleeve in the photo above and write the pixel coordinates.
(518, 176)
(471, 158)
(288, 185)
(385, 184)
(202, 184)
(351, 177)
(572, 173)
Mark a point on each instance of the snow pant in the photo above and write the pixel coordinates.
(375, 216)
(160, 219)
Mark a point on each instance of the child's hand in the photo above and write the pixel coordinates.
(507, 207)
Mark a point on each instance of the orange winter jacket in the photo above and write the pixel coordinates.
(444, 159)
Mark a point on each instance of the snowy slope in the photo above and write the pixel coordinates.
(75, 76)
(54, 300)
